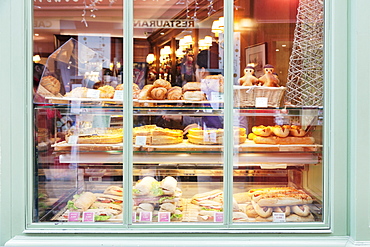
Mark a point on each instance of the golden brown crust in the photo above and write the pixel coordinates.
(162, 83)
(282, 198)
(51, 84)
(145, 92)
(119, 87)
(290, 140)
(106, 92)
(261, 130)
(174, 93)
(191, 86)
(194, 95)
(158, 93)
(280, 131)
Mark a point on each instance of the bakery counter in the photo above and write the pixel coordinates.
(250, 159)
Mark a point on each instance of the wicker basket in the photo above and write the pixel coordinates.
(245, 96)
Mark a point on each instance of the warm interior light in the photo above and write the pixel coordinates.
(221, 22)
(36, 58)
(208, 40)
(188, 39)
(167, 50)
(150, 58)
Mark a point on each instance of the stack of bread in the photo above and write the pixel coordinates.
(150, 195)
(97, 136)
(212, 201)
(262, 203)
(285, 135)
(105, 206)
(160, 90)
(157, 135)
(214, 136)
(49, 87)
(192, 91)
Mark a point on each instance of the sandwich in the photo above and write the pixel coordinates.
(214, 195)
(147, 186)
(81, 202)
(168, 185)
(114, 190)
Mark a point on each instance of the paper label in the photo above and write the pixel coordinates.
(164, 216)
(74, 216)
(278, 217)
(145, 217)
(217, 96)
(93, 93)
(101, 121)
(118, 95)
(75, 106)
(219, 217)
(261, 102)
(72, 140)
(133, 216)
(140, 141)
(211, 137)
(88, 217)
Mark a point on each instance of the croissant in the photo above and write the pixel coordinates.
(145, 92)
(158, 93)
(162, 83)
(106, 92)
(174, 93)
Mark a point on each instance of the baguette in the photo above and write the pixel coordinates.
(290, 140)
(286, 198)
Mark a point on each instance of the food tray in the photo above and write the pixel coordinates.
(245, 96)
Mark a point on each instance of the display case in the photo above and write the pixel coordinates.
(183, 142)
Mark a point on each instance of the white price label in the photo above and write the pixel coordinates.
(261, 102)
(140, 141)
(93, 93)
(278, 217)
(72, 140)
(76, 107)
(217, 96)
(118, 95)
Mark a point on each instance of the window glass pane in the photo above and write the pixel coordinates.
(278, 99)
(178, 112)
(78, 111)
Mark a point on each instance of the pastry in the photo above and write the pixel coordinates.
(261, 130)
(106, 92)
(174, 93)
(280, 131)
(119, 87)
(248, 79)
(192, 86)
(162, 83)
(51, 84)
(158, 93)
(194, 95)
(290, 140)
(296, 131)
(78, 92)
(145, 92)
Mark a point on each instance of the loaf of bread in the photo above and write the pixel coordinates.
(51, 84)
(192, 86)
(194, 95)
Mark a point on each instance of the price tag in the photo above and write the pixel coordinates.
(133, 216)
(261, 102)
(72, 140)
(145, 216)
(278, 217)
(101, 121)
(74, 216)
(217, 96)
(88, 217)
(118, 95)
(93, 93)
(140, 141)
(75, 106)
(219, 217)
(164, 216)
(273, 166)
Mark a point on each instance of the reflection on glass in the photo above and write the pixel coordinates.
(78, 111)
(178, 113)
(278, 174)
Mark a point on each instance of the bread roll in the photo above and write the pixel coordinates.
(261, 130)
(274, 140)
(106, 92)
(174, 93)
(119, 87)
(145, 92)
(158, 93)
(51, 84)
(301, 210)
(280, 131)
(162, 83)
(194, 95)
(192, 86)
(84, 201)
(284, 209)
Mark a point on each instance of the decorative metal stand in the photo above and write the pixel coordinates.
(306, 75)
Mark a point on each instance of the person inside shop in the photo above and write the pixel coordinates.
(38, 69)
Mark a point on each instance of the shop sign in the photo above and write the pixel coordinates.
(46, 24)
(163, 23)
